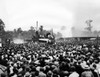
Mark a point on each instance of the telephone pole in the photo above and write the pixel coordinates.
(89, 28)
(36, 25)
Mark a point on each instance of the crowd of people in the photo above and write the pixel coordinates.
(57, 60)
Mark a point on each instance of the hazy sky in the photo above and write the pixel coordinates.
(60, 15)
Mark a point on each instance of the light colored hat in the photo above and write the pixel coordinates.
(86, 67)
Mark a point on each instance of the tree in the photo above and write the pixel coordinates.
(2, 25)
(19, 30)
(41, 28)
(2, 31)
(32, 28)
(15, 30)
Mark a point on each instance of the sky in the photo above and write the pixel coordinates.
(61, 15)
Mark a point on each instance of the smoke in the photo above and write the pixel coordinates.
(18, 41)
(63, 27)
(78, 32)
(58, 35)
(84, 33)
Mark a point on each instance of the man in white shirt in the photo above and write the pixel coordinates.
(73, 72)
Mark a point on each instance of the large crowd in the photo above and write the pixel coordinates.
(57, 60)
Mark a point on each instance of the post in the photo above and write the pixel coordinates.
(97, 39)
(36, 25)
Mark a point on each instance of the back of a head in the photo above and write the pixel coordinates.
(3, 75)
(72, 68)
(42, 69)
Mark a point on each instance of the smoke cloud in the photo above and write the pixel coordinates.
(18, 41)
(63, 27)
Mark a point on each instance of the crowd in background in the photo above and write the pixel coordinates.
(57, 60)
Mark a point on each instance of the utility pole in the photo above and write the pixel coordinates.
(97, 39)
(36, 25)
(89, 28)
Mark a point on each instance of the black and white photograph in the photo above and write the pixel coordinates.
(49, 38)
